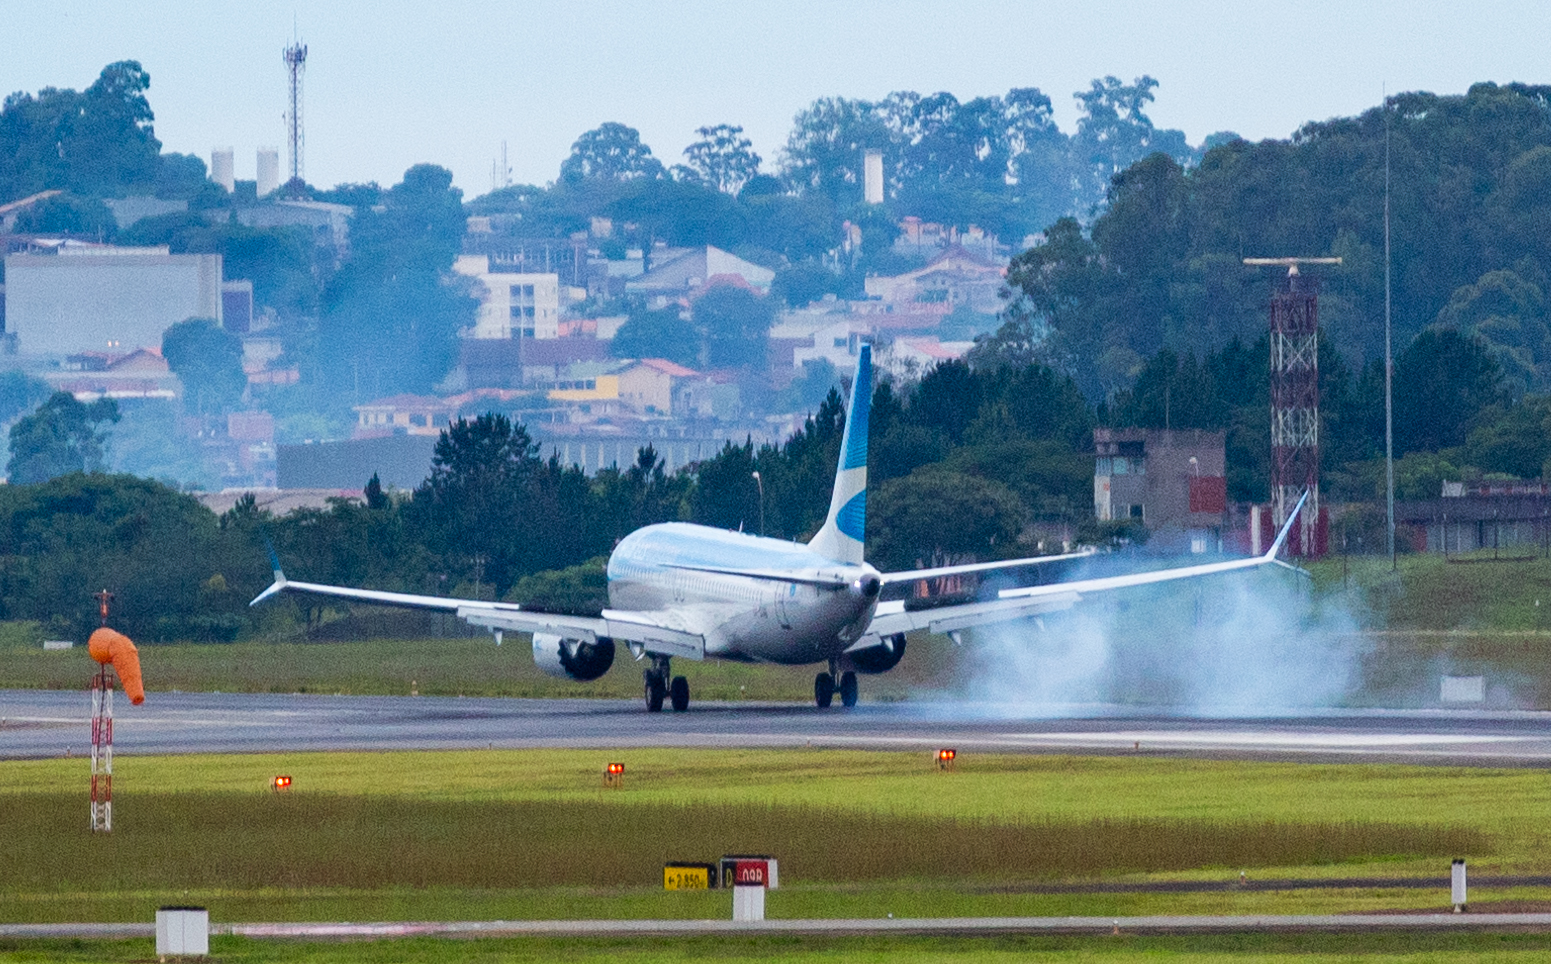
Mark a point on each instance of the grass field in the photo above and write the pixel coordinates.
(533, 834)
(504, 834)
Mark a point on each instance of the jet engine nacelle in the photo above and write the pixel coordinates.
(572, 658)
(881, 658)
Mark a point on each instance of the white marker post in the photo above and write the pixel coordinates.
(749, 880)
(1458, 886)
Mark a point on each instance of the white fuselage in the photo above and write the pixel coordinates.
(801, 608)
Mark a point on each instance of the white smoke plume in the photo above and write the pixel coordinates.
(1245, 644)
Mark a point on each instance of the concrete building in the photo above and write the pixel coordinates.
(953, 278)
(128, 210)
(511, 304)
(656, 386)
(648, 385)
(138, 374)
(675, 273)
(1173, 482)
(329, 223)
(1510, 517)
(106, 299)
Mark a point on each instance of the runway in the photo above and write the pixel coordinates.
(42, 723)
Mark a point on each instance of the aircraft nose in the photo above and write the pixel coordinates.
(868, 586)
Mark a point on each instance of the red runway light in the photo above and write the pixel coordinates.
(616, 768)
(945, 758)
(280, 783)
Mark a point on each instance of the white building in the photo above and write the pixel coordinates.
(106, 299)
(512, 305)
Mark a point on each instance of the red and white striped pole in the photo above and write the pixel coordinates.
(102, 752)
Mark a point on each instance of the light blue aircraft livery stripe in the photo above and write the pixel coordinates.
(856, 419)
(852, 517)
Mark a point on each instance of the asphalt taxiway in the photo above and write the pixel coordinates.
(45, 723)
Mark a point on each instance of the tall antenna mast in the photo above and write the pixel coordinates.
(1389, 365)
(1294, 345)
(296, 64)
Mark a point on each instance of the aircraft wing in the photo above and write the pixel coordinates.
(655, 632)
(1011, 604)
(912, 575)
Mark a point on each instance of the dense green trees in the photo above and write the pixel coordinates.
(208, 360)
(97, 143)
(60, 437)
(658, 334)
(393, 311)
(1160, 266)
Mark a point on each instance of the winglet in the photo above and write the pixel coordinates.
(1281, 537)
(279, 584)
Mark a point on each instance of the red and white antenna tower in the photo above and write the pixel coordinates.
(296, 65)
(102, 737)
(1295, 404)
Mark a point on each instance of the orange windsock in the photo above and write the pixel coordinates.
(108, 646)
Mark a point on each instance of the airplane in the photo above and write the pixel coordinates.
(685, 591)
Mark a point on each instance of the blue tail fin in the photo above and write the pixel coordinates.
(842, 535)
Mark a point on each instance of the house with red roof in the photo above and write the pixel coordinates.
(653, 385)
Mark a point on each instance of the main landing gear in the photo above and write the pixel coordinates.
(824, 688)
(660, 685)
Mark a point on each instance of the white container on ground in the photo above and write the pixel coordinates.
(1462, 689)
(1457, 886)
(748, 903)
(183, 931)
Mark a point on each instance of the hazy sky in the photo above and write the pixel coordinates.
(395, 82)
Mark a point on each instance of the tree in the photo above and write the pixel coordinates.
(98, 142)
(805, 283)
(475, 505)
(61, 437)
(610, 152)
(1507, 314)
(20, 392)
(824, 150)
(1443, 380)
(1115, 132)
(393, 312)
(723, 159)
(208, 360)
(68, 214)
(658, 334)
(935, 517)
(174, 574)
(735, 323)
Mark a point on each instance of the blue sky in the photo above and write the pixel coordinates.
(395, 82)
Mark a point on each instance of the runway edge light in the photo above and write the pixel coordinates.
(945, 758)
(614, 776)
(280, 784)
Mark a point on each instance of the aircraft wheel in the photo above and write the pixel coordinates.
(848, 689)
(655, 692)
(823, 690)
(678, 694)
